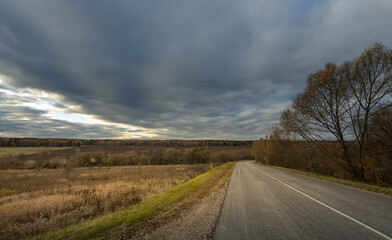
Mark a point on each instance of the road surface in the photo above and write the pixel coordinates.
(268, 203)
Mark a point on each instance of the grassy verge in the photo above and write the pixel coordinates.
(112, 224)
(361, 185)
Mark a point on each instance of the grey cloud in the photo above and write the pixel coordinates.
(200, 69)
(19, 121)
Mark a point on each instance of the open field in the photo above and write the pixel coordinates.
(124, 224)
(106, 155)
(26, 150)
(107, 149)
(33, 202)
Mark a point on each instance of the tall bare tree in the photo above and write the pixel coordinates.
(339, 102)
(321, 110)
(370, 84)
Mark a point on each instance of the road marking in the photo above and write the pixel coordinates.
(331, 208)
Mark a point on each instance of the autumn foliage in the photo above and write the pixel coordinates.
(341, 123)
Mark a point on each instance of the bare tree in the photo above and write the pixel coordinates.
(380, 130)
(42, 157)
(370, 84)
(259, 150)
(339, 102)
(320, 112)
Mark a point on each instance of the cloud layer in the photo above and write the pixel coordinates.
(171, 69)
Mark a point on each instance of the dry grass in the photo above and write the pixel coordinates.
(14, 151)
(148, 214)
(37, 201)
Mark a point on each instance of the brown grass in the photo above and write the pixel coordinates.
(37, 201)
(91, 155)
(107, 149)
(14, 151)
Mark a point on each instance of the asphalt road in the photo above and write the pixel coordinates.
(268, 203)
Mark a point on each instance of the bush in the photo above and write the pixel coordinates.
(10, 162)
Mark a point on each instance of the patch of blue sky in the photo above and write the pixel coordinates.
(71, 117)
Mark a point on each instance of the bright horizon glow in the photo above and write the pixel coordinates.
(41, 100)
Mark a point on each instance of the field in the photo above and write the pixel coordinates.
(49, 188)
(14, 151)
(35, 201)
(106, 155)
(139, 219)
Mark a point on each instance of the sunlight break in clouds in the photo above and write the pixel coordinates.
(50, 108)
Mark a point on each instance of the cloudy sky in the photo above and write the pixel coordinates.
(185, 69)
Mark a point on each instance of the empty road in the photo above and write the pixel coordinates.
(268, 203)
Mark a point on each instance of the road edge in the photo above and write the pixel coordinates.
(359, 185)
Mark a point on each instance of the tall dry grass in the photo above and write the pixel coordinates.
(37, 201)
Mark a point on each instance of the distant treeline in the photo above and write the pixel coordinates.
(340, 124)
(74, 157)
(161, 157)
(56, 142)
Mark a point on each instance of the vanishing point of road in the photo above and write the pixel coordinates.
(268, 203)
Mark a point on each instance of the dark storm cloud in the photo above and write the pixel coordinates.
(199, 69)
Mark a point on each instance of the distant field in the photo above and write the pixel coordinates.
(123, 149)
(25, 150)
(35, 201)
(106, 155)
(64, 151)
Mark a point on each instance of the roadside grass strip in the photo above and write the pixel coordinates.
(114, 223)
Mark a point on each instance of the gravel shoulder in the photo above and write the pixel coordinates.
(197, 222)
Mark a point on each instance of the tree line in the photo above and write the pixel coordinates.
(44, 157)
(161, 157)
(341, 123)
(59, 142)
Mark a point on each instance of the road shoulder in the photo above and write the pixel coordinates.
(198, 222)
